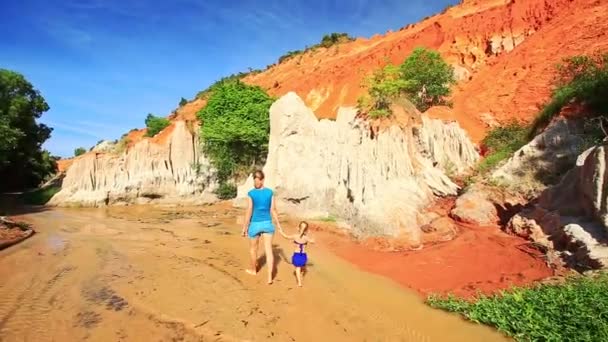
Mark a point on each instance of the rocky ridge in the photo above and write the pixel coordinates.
(376, 179)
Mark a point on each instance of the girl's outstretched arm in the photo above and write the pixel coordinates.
(285, 235)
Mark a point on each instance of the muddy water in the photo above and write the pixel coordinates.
(163, 274)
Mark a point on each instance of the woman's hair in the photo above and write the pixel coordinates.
(258, 174)
(303, 229)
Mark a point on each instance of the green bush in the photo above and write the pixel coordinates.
(327, 41)
(234, 77)
(331, 39)
(289, 55)
(183, 102)
(583, 79)
(155, 124)
(79, 151)
(226, 191)
(501, 143)
(429, 78)
(423, 77)
(383, 86)
(235, 127)
(574, 311)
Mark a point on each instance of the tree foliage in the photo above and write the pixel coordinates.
(23, 162)
(183, 102)
(235, 127)
(423, 77)
(155, 124)
(383, 86)
(79, 151)
(429, 78)
(334, 38)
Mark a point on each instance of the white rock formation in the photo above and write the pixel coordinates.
(377, 181)
(104, 146)
(550, 153)
(572, 216)
(172, 171)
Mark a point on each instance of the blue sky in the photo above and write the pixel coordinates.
(102, 65)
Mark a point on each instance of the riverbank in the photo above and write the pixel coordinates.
(145, 273)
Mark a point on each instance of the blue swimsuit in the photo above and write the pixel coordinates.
(299, 259)
(260, 222)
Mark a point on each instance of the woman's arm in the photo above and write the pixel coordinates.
(275, 214)
(247, 217)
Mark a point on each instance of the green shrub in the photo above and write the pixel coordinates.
(236, 127)
(583, 79)
(289, 55)
(429, 78)
(423, 77)
(331, 39)
(234, 77)
(327, 41)
(155, 124)
(183, 102)
(79, 151)
(383, 86)
(501, 143)
(574, 311)
(226, 191)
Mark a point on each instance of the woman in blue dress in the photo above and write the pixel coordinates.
(261, 210)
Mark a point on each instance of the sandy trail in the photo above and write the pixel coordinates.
(163, 274)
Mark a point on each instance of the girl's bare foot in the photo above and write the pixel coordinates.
(252, 272)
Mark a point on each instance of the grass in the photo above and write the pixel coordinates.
(576, 310)
(40, 196)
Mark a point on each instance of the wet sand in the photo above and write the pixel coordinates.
(164, 274)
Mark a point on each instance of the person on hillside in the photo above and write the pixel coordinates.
(261, 210)
(299, 257)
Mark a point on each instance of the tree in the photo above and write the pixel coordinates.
(383, 87)
(79, 151)
(183, 102)
(23, 162)
(155, 124)
(429, 78)
(235, 127)
(423, 77)
(334, 38)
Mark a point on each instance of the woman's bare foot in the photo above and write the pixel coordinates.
(300, 285)
(269, 281)
(252, 272)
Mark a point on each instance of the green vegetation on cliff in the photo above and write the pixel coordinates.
(580, 79)
(327, 41)
(23, 162)
(235, 129)
(424, 78)
(155, 124)
(576, 310)
(79, 151)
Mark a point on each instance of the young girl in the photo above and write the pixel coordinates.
(299, 257)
